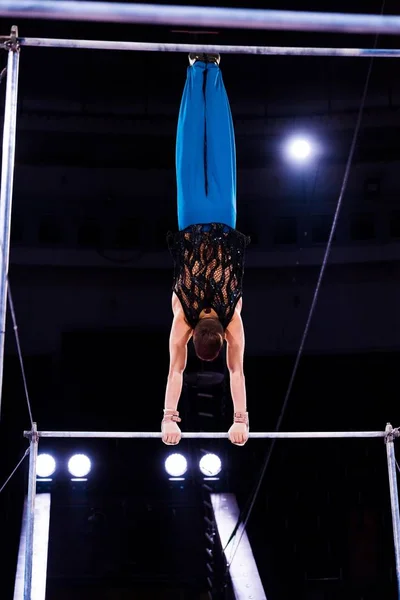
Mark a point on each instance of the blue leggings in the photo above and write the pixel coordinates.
(205, 151)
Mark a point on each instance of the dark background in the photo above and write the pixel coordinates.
(91, 277)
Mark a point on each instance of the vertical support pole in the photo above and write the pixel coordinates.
(7, 179)
(30, 512)
(394, 498)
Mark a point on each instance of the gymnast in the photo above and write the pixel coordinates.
(208, 251)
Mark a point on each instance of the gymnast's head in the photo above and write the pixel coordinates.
(208, 338)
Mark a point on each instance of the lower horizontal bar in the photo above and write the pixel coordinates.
(200, 16)
(187, 48)
(208, 434)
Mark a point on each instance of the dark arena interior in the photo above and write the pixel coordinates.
(90, 274)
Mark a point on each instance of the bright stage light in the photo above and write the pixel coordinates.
(79, 465)
(299, 148)
(176, 465)
(210, 465)
(45, 466)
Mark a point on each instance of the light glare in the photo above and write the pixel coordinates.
(176, 465)
(299, 148)
(79, 465)
(210, 465)
(45, 466)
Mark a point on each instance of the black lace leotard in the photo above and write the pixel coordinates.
(209, 265)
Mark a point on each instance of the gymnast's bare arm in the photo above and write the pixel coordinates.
(235, 339)
(179, 337)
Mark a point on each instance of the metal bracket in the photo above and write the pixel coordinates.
(11, 42)
(391, 434)
(33, 434)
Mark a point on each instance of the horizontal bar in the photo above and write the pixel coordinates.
(208, 434)
(187, 48)
(200, 16)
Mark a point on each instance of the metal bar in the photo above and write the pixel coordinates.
(6, 185)
(30, 512)
(40, 550)
(208, 435)
(187, 48)
(394, 500)
(200, 16)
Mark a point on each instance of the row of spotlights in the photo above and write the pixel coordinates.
(176, 465)
(79, 465)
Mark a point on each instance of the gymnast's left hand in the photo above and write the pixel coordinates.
(239, 434)
(171, 434)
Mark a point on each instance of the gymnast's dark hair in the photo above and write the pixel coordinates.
(208, 338)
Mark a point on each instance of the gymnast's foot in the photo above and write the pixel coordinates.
(239, 432)
(171, 434)
(207, 58)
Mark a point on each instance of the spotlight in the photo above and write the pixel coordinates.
(210, 465)
(79, 465)
(45, 466)
(176, 465)
(299, 149)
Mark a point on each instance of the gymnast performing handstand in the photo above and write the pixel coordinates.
(208, 251)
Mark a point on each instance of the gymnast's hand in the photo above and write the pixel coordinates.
(239, 434)
(171, 434)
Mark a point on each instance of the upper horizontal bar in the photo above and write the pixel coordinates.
(208, 435)
(200, 16)
(187, 48)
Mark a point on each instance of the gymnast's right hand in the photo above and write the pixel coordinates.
(171, 434)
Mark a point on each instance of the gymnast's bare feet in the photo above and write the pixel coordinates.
(239, 432)
(171, 434)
